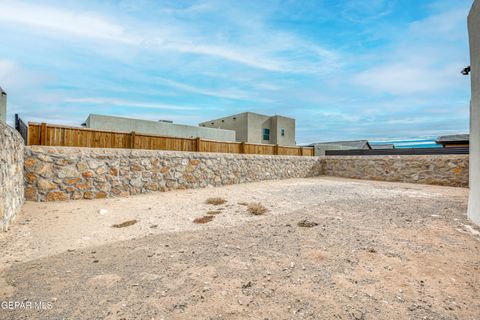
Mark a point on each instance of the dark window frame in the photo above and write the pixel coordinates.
(266, 134)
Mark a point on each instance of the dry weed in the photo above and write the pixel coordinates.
(256, 208)
(216, 201)
(125, 224)
(204, 219)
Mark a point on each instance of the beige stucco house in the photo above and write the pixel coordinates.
(257, 128)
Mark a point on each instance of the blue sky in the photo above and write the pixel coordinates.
(350, 69)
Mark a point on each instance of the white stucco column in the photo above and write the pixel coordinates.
(474, 35)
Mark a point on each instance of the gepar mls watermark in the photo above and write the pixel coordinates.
(26, 305)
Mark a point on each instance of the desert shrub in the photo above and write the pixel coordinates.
(216, 201)
(256, 208)
(204, 219)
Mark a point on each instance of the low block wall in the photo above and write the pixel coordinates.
(446, 170)
(11, 174)
(60, 173)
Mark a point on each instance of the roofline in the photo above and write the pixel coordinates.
(247, 113)
(233, 115)
(340, 141)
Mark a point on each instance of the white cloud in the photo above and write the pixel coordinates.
(427, 58)
(366, 11)
(14, 78)
(6, 68)
(445, 25)
(81, 24)
(236, 55)
(127, 103)
(230, 94)
(171, 35)
(408, 77)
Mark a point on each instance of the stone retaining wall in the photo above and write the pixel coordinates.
(11, 174)
(58, 173)
(446, 170)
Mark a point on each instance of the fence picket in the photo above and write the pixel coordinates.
(63, 136)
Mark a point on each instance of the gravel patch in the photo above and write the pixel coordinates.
(374, 250)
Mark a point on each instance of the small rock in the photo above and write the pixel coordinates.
(305, 223)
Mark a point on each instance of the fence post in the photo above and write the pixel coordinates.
(302, 153)
(43, 134)
(132, 140)
(198, 145)
(242, 147)
(276, 150)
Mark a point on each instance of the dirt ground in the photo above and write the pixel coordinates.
(365, 250)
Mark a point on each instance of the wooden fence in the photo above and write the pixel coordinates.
(64, 136)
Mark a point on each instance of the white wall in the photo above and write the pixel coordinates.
(474, 33)
(111, 123)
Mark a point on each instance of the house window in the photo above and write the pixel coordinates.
(282, 132)
(266, 134)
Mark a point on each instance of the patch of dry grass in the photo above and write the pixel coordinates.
(125, 224)
(214, 212)
(256, 208)
(216, 201)
(204, 219)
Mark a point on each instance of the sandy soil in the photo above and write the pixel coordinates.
(379, 251)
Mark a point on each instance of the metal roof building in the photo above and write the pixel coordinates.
(454, 140)
(321, 147)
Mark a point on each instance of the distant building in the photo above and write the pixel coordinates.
(3, 105)
(382, 146)
(321, 147)
(455, 140)
(161, 127)
(257, 128)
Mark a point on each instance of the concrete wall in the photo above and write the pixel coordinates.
(256, 124)
(3, 106)
(56, 173)
(474, 33)
(288, 125)
(237, 123)
(11, 174)
(447, 170)
(111, 123)
(249, 128)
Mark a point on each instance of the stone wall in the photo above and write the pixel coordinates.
(11, 174)
(59, 173)
(447, 170)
